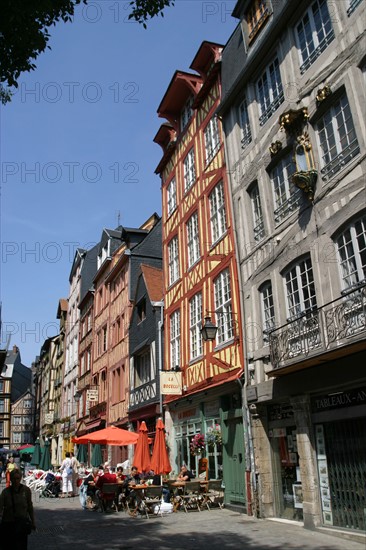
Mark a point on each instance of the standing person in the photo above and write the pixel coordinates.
(9, 468)
(17, 512)
(67, 473)
(75, 472)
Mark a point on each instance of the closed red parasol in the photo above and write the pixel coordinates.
(142, 452)
(160, 463)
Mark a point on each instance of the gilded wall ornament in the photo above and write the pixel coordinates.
(323, 93)
(275, 148)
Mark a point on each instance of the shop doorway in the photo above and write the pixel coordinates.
(287, 481)
(341, 459)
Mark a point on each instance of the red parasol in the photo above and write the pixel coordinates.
(142, 452)
(160, 463)
(109, 436)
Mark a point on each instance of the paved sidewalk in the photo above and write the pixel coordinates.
(63, 524)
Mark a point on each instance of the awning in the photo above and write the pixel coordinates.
(94, 424)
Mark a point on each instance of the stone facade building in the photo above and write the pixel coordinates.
(293, 111)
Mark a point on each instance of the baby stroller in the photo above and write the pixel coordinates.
(52, 487)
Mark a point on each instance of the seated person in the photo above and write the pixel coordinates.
(185, 474)
(87, 490)
(102, 480)
(132, 479)
(119, 475)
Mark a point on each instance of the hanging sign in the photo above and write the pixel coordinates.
(48, 418)
(171, 383)
(92, 395)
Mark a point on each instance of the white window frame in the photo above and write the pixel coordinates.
(314, 33)
(142, 367)
(351, 248)
(189, 170)
(193, 240)
(337, 137)
(223, 308)
(268, 311)
(173, 260)
(175, 339)
(258, 220)
(217, 212)
(212, 139)
(186, 114)
(244, 122)
(195, 325)
(172, 196)
(269, 91)
(286, 195)
(300, 288)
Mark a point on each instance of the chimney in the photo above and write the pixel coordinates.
(15, 349)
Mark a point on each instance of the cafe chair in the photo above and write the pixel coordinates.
(151, 501)
(215, 494)
(109, 496)
(191, 496)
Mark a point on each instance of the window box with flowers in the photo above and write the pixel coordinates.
(198, 445)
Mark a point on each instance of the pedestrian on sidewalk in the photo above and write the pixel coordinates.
(16, 509)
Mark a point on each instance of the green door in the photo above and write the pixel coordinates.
(234, 460)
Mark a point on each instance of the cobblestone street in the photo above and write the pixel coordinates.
(62, 523)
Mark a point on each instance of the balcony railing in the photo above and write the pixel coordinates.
(317, 331)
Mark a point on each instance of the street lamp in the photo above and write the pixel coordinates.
(208, 330)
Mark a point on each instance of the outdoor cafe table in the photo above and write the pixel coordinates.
(179, 486)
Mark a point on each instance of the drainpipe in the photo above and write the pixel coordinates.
(160, 347)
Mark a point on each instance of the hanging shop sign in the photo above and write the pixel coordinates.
(48, 418)
(171, 383)
(92, 395)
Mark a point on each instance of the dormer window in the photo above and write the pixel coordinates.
(141, 310)
(104, 254)
(256, 16)
(186, 114)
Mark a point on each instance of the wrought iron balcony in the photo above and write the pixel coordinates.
(334, 327)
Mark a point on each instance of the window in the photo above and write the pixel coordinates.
(217, 212)
(189, 170)
(141, 310)
(186, 114)
(195, 319)
(223, 307)
(142, 368)
(270, 92)
(286, 195)
(193, 241)
(1, 386)
(351, 246)
(175, 339)
(212, 139)
(314, 33)
(172, 196)
(352, 6)
(17, 420)
(256, 16)
(258, 223)
(2, 405)
(173, 258)
(246, 134)
(300, 289)
(337, 137)
(1, 429)
(27, 404)
(17, 438)
(268, 314)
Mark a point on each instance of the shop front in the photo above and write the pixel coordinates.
(287, 486)
(340, 435)
(210, 426)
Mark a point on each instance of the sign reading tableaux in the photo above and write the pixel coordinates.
(171, 383)
(339, 400)
(92, 395)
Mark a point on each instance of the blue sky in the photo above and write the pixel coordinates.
(77, 149)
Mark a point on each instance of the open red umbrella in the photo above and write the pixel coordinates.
(109, 436)
(160, 463)
(142, 452)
